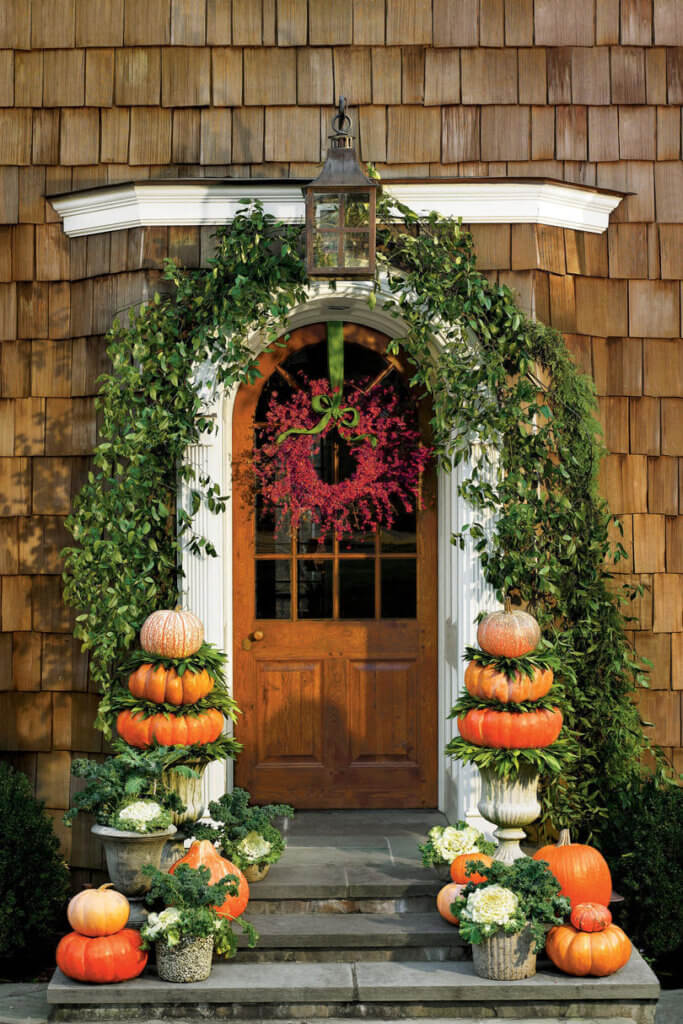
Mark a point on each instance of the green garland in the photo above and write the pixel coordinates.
(498, 382)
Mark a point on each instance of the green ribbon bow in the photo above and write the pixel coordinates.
(331, 407)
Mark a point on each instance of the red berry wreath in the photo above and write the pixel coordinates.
(383, 439)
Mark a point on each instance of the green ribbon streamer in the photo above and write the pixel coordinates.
(330, 407)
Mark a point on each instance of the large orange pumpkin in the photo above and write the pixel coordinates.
(581, 870)
(486, 681)
(590, 917)
(445, 897)
(458, 873)
(102, 911)
(103, 959)
(172, 634)
(204, 852)
(581, 953)
(508, 634)
(512, 730)
(159, 684)
(169, 730)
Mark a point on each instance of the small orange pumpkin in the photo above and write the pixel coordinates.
(102, 911)
(172, 634)
(101, 960)
(169, 730)
(203, 852)
(458, 873)
(581, 870)
(486, 681)
(581, 953)
(590, 917)
(508, 634)
(509, 729)
(159, 684)
(445, 897)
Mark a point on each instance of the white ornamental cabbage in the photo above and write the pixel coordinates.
(491, 904)
(254, 847)
(141, 812)
(158, 924)
(450, 842)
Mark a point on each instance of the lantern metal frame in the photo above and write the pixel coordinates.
(341, 175)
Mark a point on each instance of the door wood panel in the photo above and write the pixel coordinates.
(337, 713)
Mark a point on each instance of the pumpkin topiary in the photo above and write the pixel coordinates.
(485, 681)
(508, 634)
(101, 960)
(447, 895)
(163, 685)
(511, 730)
(204, 852)
(172, 634)
(169, 730)
(581, 953)
(458, 866)
(95, 912)
(590, 917)
(581, 870)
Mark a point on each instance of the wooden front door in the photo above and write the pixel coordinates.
(335, 643)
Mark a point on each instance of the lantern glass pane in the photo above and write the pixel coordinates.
(357, 249)
(326, 249)
(357, 210)
(327, 210)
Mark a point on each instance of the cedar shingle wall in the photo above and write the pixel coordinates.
(587, 91)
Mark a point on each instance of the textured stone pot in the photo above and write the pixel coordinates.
(509, 803)
(173, 850)
(255, 873)
(190, 791)
(128, 852)
(505, 957)
(442, 872)
(189, 960)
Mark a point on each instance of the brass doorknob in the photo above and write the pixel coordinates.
(256, 635)
(252, 638)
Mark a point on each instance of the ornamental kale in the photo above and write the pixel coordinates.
(239, 824)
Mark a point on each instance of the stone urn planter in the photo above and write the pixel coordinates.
(126, 854)
(442, 872)
(189, 960)
(190, 791)
(509, 803)
(505, 957)
(173, 850)
(255, 872)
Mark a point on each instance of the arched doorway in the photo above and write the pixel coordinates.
(335, 643)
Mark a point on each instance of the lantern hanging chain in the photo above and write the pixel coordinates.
(341, 122)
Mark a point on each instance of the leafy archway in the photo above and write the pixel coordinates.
(498, 382)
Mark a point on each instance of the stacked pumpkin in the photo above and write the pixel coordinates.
(100, 949)
(172, 636)
(506, 635)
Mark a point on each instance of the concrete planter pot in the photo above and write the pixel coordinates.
(255, 872)
(509, 803)
(173, 850)
(190, 791)
(442, 872)
(127, 853)
(188, 961)
(505, 957)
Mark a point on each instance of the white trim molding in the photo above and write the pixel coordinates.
(214, 202)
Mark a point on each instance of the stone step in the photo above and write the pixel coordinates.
(326, 937)
(386, 991)
(360, 905)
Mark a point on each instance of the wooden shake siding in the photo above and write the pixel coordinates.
(92, 93)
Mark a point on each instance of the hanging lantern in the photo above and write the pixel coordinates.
(340, 210)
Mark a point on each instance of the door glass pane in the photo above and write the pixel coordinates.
(403, 534)
(357, 543)
(273, 587)
(399, 588)
(357, 588)
(309, 540)
(315, 589)
(270, 541)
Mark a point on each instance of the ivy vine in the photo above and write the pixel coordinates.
(507, 400)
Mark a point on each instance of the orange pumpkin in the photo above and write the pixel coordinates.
(204, 852)
(508, 634)
(511, 730)
(159, 684)
(590, 917)
(101, 960)
(169, 730)
(581, 953)
(445, 897)
(102, 911)
(486, 681)
(172, 634)
(458, 873)
(581, 870)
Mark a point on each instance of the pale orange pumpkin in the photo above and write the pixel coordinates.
(203, 852)
(486, 681)
(447, 895)
(508, 634)
(102, 911)
(581, 953)
(581, 870)
(172, 634)
(458, 873)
